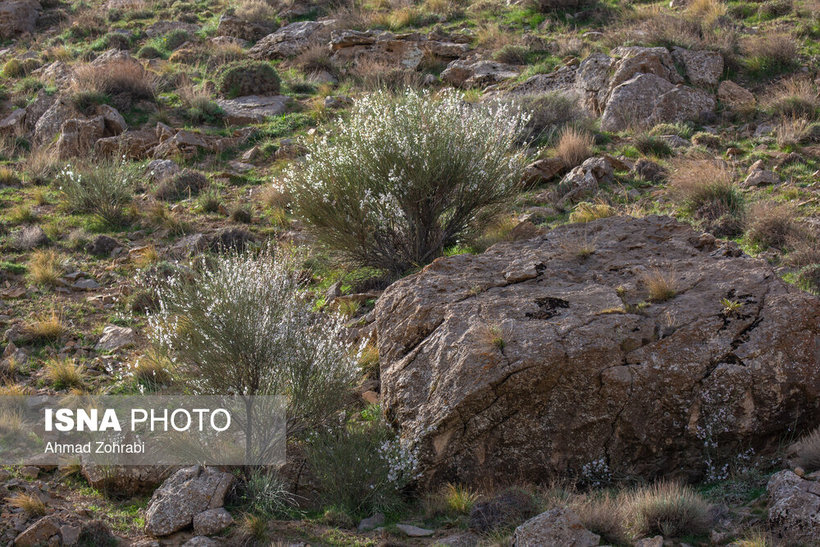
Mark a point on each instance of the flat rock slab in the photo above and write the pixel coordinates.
(542, 356)
(253, 108)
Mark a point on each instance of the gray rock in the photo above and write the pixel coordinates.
(29, 237)
(633, 101)
(559, 526)
(583, 181)
(128, 480)
(735, 97)
(18, 17)
(182, 496)
(477, 74)
(703, 67)
(289, 41)
(116, 338)
(38, 533)
(160, 170)
(203, 541)
(86, 284)
(70, 534)
(103, 245)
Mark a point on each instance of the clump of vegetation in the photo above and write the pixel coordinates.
(669, 509)
(651, 145)
(660, 285)
(45, 267)
(771, 224)
(795, 97)
(265, 494)
(549, 113)
(361, 468)
(241, 325)
(246, 77)
(807, 451)
(769, 54)
(587, 212)
(64, 374)
(574, 146)
(46, 327)
(103, 188)
(706, 191)
(407, 176)
(182, 185)
(29, 503)
(118, 77)
(605, 515)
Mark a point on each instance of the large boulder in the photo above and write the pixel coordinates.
(253, 108)
(540, 356)
(703, 68)
(183, 496)
(633, 101)
(477, 74)
(735, 97)
(794, 508)
(18, 16)
(387, 49)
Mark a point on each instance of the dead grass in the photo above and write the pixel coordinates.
(375, 75)
(574, 146)
(64, 374)
(578, 246)
(795, 97)
(705, 189)
(153, 370)
(604, 515)
(587, 212)
(793, 131)
(116, 77)
(46, 327)
(769, 53)
(669, 509)
(660, 285)
(45, 267)
(807, 451)
(29, 503)
(256, 11)
(706, 11)
(771, 224)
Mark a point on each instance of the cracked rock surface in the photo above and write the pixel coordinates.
(539, 357)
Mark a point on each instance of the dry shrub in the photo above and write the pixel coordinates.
(375, 75)
(769, 54)
(660, 285)
(45, 267)
(793, 131)
(706, 11)
(549, 112)
(494, 37)
(574, 146)
(221, 54)
(116, 77)
(275, 197)
(771, 224)
(668, 509)
(603, 515)
(795, 97)
(64, 374)
(46, 327)
(587, 212)
(315, 59)
(29, 503)
(255, 11)
(352, 16)
(807, 451)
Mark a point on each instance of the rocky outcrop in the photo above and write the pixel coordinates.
(758, 175)
(583, 181)
(559, 526)
(794, 508)
(18, 16)
(290, 41)
(641, 86)
(538, 357)
(183, 496)
(388, 49)
(78, 136)
(126, 480)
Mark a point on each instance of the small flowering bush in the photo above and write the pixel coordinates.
(361, 468)
(102, 188)
(239, 326)
(407, 176)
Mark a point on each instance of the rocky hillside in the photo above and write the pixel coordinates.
(541, 272)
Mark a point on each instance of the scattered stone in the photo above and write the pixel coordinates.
(414, 531)
(87, 284)
(202, 541)
(115, 338)
(759, 176)
(794, 505)
(583, 181)
(648, 170)
(184, 495)
(253, 108)
(103, 245)
(371, 523)
(38, 533)
(230, 239)
(70, 534)
(127, 480)
(30, 472)
(543, 170)
(502, 416)
(559, 526)
(467, 539)
(656, 541)
(212, 521)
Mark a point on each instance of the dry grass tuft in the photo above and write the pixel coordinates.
(807, 451)
(660, 285)
(795, 97)
(153, 370)
(29, 503)
(46, 327)
(603, 515)
(793, 131)
(706, 11)
(587, 212)
(116, 77)
(574, 146)
(669, 509)
(45, 267)
(770, 53)
(64, 374)
(771, 224)
(705, 190)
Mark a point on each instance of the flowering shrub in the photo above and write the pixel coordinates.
(406, 176)
(241, 327)
(102, 188)
(361, 468)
